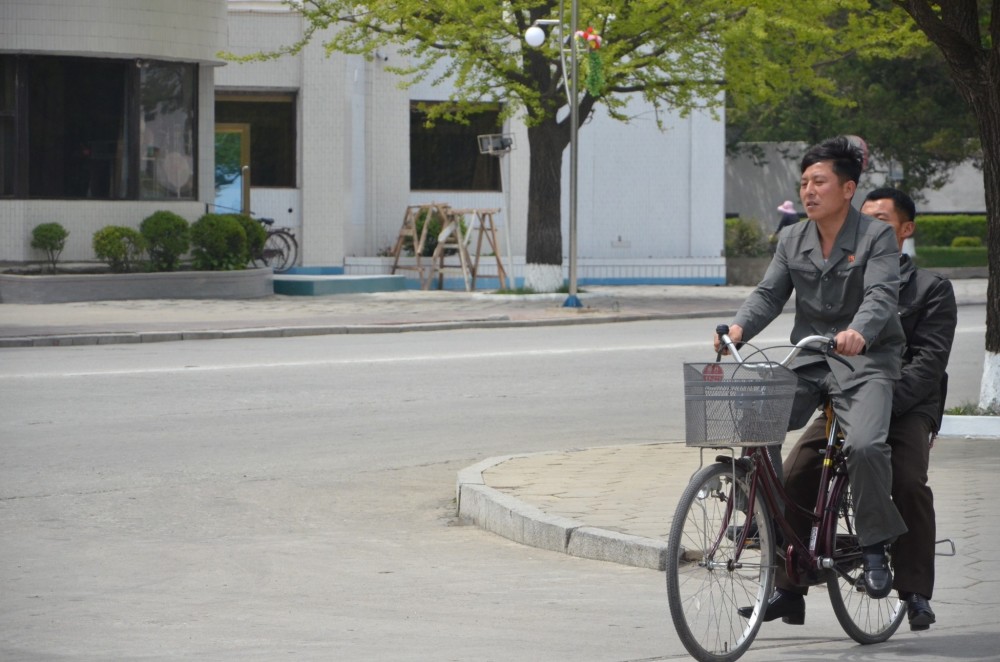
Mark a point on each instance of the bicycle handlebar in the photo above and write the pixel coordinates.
(828, 348)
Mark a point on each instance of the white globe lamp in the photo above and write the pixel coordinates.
(535, 36)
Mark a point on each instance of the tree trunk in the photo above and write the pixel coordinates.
(988, 114)
(975, 70)
(544, 254)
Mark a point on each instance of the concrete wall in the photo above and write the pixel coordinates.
(754, 189)
(186, 30)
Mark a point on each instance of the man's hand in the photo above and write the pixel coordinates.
(849, 343)
(735, 333)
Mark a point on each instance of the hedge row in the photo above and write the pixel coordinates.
(217, 242)
(941, 230)
(937, 257)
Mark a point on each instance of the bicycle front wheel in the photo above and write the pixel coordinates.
(864, 619)
(707, 583)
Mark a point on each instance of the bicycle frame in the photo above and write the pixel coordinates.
(818, 551)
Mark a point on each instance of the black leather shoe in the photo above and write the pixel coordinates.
(918, 610)
(878, 576)
(752, 539)
(789, 607)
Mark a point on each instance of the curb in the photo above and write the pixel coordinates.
(112, 337)
(970, 426)
(515, 520)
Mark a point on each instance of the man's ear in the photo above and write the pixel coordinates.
(907, 229)
(850, 188)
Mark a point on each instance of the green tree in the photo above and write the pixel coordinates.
(907, 110)
(967, 33)
(676, 55)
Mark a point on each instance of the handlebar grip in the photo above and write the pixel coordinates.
(722, 330)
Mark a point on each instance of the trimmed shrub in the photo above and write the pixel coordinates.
(219, 243)
(168, 236)
(937, 257)
(745, 239)
(120, 247)
(941, 230)
(255, 232)
(51, 238)
(966, 242)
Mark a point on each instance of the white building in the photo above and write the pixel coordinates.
(326, 140)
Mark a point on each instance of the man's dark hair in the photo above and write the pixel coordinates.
(846, 157)
(903, 203)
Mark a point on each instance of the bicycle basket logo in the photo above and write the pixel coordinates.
(712, 372)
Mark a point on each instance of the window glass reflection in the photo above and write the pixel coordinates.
(166, 130)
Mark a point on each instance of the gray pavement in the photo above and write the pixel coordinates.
(100, 322)
(612, 504)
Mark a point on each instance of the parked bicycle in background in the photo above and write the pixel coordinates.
(280, 250)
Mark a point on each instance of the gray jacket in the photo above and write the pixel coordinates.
(857, 288)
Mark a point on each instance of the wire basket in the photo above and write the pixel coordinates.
(729, 404)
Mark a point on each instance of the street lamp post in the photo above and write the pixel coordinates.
(535, 36)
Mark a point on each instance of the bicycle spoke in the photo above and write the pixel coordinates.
(864, 619)
(708, 578)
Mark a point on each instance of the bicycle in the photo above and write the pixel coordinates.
(280, 250)
(722, 549)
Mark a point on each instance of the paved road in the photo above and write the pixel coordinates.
(260, 498)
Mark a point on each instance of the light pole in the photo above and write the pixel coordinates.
(535, 37)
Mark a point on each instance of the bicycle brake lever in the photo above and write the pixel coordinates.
(831, 351)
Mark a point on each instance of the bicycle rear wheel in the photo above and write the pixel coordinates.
(276, 252)
(864, 619)
(705, 584)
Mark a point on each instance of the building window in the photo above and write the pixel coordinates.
(72, 128)
(167, 130)
(271, 119)
(8, 144)
(446, 156)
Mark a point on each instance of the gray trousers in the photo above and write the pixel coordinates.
(864, 413)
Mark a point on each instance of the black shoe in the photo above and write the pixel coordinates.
(752, 540)
(918, 610)
(789, 607)
(878, 576)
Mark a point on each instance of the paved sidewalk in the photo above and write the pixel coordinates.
(409, 310)
(616, 503)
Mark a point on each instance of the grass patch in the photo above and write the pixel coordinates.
(971, 409)
(519, 290)
(527, 290)
(931, 257)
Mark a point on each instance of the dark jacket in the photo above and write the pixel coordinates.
(929, 314)
(786, 220)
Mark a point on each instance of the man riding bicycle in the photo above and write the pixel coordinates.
(844, 269)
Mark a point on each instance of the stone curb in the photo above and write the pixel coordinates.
(970, 426)
(111, 337)
(523, 523)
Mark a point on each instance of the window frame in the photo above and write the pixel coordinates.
(132, 109)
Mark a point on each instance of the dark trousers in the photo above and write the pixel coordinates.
(913, 551)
